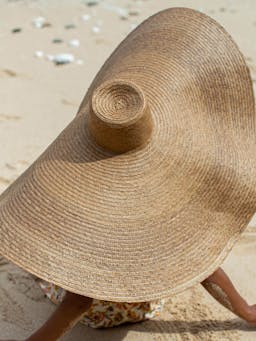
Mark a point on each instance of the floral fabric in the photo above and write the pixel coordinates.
(104, 314)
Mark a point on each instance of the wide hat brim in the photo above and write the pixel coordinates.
(152, 221)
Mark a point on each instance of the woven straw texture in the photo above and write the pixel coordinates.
(147, 189)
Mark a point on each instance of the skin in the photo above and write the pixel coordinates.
(73, 306)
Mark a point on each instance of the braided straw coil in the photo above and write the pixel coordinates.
(147, 189)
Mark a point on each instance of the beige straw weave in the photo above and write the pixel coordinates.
(147, 189)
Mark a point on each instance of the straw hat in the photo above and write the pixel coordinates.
(147, 189)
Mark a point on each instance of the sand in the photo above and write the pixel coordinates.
(38, 99)
(191, 315)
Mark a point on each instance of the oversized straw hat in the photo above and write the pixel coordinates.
(147, 189)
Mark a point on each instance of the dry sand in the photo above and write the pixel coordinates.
(192, 315)
(38, 99)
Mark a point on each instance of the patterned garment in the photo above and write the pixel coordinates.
(105, 314)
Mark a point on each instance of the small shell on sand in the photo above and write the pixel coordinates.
(63, 58)
(86, 17)
(74, 43)
(122, 12)
(95, 29)
(39, 54)
(40, 22)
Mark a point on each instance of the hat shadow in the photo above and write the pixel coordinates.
(164, 327)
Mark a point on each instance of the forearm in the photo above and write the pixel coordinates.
(67, 314)
(221, 288)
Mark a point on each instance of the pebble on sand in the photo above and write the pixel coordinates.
(95, 29)
(86, 17)
(134, 12)
(124, 17)
(40, 22)
(91, 3)
(63, 58)
(16, 30)
(74, 43)
(57, 41)
(39, 54)
(122, 12)
(69, 26)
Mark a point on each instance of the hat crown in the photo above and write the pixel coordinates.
(118, 103)
(120, 119)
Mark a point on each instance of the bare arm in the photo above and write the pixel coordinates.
(67, 314)
(64, 318)
(221, 288)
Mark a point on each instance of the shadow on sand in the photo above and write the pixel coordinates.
(166, 330)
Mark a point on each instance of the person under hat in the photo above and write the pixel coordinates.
(146, 191)
(73, 308)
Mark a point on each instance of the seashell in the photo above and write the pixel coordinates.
(74, 43)
(86, 17)
(122, 12)
(95, 29)
(39, 54)
(40, 22)
(63, 58)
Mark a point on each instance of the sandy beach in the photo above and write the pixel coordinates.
(39, 98)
